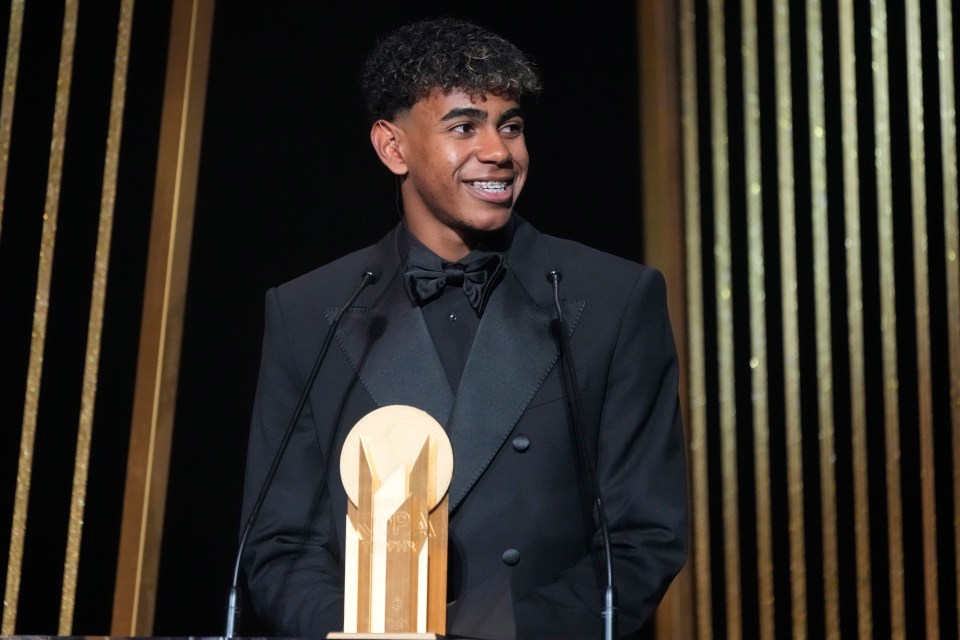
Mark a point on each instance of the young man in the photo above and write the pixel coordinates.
(460, 324)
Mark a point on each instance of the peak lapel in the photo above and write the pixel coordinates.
(513, 352)
(389, 345)
(511, 355)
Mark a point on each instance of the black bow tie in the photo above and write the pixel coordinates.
(478, 278)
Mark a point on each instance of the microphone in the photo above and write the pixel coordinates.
(570, 381)
(367, 278)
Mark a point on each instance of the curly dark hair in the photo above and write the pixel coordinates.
(443, 54)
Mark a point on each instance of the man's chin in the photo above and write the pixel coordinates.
(487, 222)
(488, 233)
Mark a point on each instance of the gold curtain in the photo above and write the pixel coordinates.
(822, 316)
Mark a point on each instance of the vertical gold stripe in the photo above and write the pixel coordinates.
(660, 112)
(791, 339)
(724, 297)
(824, 338)
(95, 324)
(918, 180)
(758, 319)
(854, 270)
(948, 141)
(162, 324)
(695, 328)
(10, 69)
(888, 317)
(48, 235)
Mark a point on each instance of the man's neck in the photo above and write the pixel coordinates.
(452, 245)
(448, 244)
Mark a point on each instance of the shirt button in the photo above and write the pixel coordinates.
(521, 443)
(452, 317)
(511, 557)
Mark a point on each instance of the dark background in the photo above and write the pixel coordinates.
(289, 181)
(73, 256)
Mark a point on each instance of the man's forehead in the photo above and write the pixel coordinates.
(442, 105)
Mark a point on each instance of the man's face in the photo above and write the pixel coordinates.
(466, 163)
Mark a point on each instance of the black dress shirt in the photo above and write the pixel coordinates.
(450, 318)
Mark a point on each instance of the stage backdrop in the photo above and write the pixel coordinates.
(281, 180)
(791, 166)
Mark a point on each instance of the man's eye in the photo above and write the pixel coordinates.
(463, 128)
(511, 129)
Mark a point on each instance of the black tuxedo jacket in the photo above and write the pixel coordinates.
(525, 552)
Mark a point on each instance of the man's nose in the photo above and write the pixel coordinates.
(493, 148)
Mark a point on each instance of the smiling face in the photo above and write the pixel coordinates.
(463, 162)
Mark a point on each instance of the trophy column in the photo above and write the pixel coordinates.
(396, 465)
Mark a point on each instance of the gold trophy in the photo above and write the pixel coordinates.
(396, 467)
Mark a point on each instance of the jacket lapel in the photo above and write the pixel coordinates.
(389, 345)
(512, 353)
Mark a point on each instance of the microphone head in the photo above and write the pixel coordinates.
(371, 275)
(554, 276)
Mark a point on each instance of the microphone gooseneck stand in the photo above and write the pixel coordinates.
(570, 381)
(366, 279)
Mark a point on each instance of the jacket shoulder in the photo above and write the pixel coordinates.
(598, 270)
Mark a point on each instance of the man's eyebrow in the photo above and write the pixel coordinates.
(469, 112)
(516, 112)
(480, 114)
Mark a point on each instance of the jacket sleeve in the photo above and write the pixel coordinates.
(642, 475)
(291, 561)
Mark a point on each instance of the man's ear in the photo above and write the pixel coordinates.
(384, 136)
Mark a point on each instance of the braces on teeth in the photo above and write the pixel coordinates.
(491, 186)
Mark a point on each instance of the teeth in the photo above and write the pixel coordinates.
(490, 185)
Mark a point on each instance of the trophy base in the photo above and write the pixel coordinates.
(366, 635)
